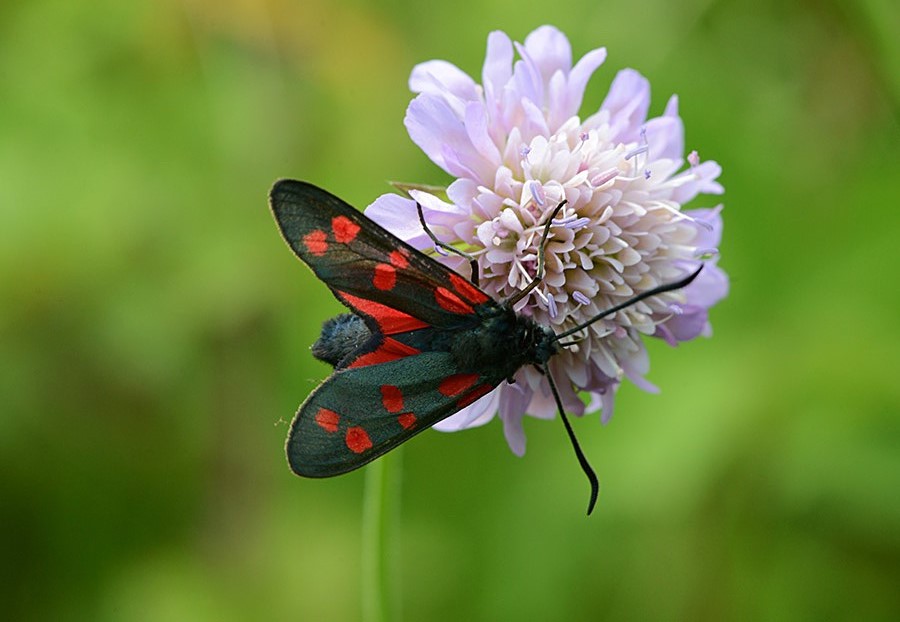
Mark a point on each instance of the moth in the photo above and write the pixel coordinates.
(420, 343)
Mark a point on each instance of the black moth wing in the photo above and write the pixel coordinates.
(359, 414)
(391, 387)
(367, 267)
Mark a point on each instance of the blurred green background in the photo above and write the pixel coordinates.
(154, 329)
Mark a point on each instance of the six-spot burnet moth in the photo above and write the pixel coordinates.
(421, 342)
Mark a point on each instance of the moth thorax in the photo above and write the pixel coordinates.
(503, 343)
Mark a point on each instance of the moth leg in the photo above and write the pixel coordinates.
(473, 263)
(540, 271)
(573, 342)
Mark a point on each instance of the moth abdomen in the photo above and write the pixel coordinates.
(340, 336)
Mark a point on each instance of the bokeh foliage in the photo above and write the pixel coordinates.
(154, 328)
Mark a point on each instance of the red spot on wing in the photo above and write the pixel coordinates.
(468, 290)
(357, 440)
(398, 259)
(389, 350)
(392, 398)
(327, 420)
(344, 229)
(456, 384)
(451, 302)
(385, 277)
(407, 420)
(390, 321)
(315, 242)
(474, 394)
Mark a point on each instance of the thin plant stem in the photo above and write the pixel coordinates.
(381, 509)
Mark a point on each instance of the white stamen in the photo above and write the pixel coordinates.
(702, 223)
(537, 192)
(705, 223)
(524, 150)
(581, 298)
(578, 224)
(548, 301)
(637, 151)
(679, 215)
(693, 158)
(644, 148)
(604, 177)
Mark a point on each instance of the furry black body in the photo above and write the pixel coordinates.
(503, 340)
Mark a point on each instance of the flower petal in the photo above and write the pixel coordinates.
(475, 414)
(398, 215)
(710, 286)
(477, 127)
(688, 325)
(442, 135)
(709, 234)
(627, 104)
(607, 401)
(665, 134)
(438, 77)
(513, 432)
(497, 69)
(526, 80)
(514, 400)
(549, 50)
(636, 366)
(431, 125)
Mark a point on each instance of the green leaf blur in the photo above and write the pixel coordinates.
(154, 329)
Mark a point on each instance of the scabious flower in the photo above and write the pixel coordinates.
(516, 148)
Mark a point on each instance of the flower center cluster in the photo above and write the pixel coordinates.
(616, 236)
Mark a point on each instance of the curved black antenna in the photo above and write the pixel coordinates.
(642, 296)
(519, 295)
(473, 263)
(582, 460)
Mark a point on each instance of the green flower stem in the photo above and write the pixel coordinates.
(381, 509)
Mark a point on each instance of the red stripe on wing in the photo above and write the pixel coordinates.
(467, 290)
(389, 350)
(449, 301)
(390, 321)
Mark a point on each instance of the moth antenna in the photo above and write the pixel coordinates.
(473, 263)
(642, 296)
(582, 460)
(540, 271)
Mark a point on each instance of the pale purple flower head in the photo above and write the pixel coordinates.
(517, 146)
